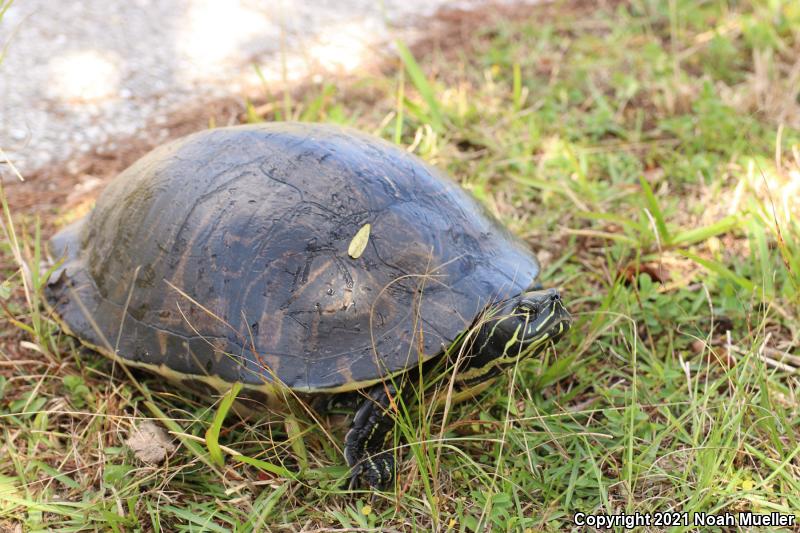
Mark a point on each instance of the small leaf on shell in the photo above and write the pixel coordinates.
(359, 242)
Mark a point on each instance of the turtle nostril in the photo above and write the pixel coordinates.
(555, 297)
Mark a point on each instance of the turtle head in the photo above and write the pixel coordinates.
(515, 328)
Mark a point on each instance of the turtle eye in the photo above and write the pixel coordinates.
(527, 310)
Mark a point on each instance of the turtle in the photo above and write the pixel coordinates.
(301, 258)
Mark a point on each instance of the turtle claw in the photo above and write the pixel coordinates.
(375, 472)
(371, 466)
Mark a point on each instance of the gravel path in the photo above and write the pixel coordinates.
(77, 74)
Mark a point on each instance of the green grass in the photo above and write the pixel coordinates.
(649, 152)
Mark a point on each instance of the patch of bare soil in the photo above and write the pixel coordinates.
(51, 192)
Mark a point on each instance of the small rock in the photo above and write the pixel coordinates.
(72, 167)
(545, 256)
(150, 443)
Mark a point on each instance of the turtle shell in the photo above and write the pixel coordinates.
(224, 254)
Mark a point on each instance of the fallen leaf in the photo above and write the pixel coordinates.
(655, 271)
(359, 242)
(150, 443)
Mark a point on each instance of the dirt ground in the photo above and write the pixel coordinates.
(66, 187)
(75, 75)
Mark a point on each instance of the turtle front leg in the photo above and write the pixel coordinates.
(370, 464)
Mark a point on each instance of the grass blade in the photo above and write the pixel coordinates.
(720, 270)
(212, 434)
(252, 115)
(264, 505)
(516, 91)
(316, 108)
(264, 465)
(398, 124)
(296, 441)
(655, 210)
(421, 83)
(700, 234)
(192, 516)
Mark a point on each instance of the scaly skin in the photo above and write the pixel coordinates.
(522, 327)
(363, 445)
